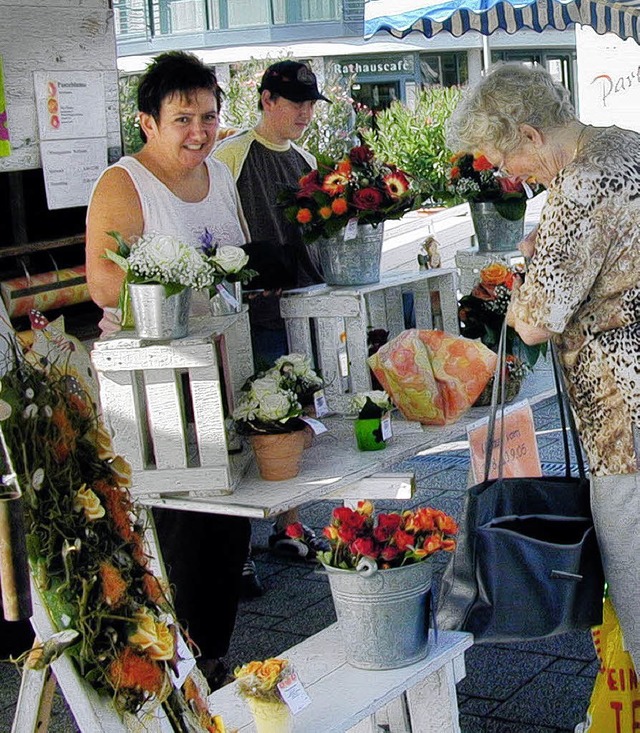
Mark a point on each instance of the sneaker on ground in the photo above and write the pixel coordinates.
(250, 585)
(280, 544)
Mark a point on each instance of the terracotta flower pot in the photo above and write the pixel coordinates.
(278, 455)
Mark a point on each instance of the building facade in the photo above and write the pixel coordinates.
(328, 33)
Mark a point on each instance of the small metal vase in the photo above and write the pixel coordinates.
(228, 299)
(354, 261)
(158, 316)
(493, 232)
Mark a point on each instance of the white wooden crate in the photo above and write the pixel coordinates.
(331, 311)
(163, 402)
(470, 261)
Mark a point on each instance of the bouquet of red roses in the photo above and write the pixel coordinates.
(391, 539)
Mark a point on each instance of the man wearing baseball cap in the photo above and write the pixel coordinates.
(264, 161)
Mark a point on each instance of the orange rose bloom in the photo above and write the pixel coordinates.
(325, 212)
(494, 274)
(304, 216)
(137, 672)
(339, 206)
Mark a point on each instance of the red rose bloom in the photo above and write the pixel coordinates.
(295, 531)
(390, 553)
(367, 198)
(481, 164)
(308, 184)
(403, 540)
(364, 546)
(360, 154)
(387, 525)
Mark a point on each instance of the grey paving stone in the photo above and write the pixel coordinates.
(480, 707)
(314, 619)
(554, 700)
(498, 673)
(575, 645)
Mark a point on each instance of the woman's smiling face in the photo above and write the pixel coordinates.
(187, 127)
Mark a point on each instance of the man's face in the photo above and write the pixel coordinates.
(288, 119)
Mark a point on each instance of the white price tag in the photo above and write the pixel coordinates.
(351, 230)
(315, 425)
(385, 424)
(186, 662)
(320, 403)
(226, 296)
(293, 693)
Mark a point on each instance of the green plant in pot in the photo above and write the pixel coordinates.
(372, 426)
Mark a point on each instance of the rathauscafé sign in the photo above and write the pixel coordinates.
(385, 65)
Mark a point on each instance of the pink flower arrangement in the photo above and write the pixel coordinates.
(391, 539)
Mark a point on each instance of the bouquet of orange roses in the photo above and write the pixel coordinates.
(483, 311)
(391, 539)
(260, 679)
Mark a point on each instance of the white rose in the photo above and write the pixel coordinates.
(231, 259)
(267, 385)
(166, 250)
(274, 406)
(299, 363)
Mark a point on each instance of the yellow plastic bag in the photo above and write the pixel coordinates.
(615, 700)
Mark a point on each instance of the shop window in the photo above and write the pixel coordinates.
(445, 69)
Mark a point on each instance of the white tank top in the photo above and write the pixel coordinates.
(163, 212)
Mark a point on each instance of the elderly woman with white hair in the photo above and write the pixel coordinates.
(582, 288)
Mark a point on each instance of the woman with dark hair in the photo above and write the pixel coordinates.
(173, 187)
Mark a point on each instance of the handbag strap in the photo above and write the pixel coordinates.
(566, 415)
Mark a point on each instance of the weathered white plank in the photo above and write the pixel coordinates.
(448, 287)
(360, 376)
(130, 354)
(165, 413)
(204, 482)
(422, 306)
(377, 310)
(397, 716)
(207, 402)
(299, 337)
(433, 703)
(395, 311)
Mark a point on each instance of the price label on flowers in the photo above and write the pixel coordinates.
(293, 693)
(519, 449)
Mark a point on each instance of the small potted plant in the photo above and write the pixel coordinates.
(372, 426)
(380, 573)
(298, 375)
(160, 272)
(342, 205)
(258, 685)
(269, 413)
(229, 272)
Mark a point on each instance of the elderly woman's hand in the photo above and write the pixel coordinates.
(528, 245)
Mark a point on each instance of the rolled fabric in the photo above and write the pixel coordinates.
(45, 291)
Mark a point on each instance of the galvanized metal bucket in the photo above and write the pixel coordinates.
(383, 615)
(354, 261)
(493, 232)
(228, 299)
(158, 316)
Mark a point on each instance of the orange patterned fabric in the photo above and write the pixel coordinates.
(431, 376)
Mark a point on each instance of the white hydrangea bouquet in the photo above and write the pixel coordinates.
(225, 262)
(267, 406)
(370, 405)
(160, 259)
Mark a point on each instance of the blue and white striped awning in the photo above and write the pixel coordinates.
(400, 17)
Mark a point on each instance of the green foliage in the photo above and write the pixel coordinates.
(128, 85)
(414, 139)
(332, 128)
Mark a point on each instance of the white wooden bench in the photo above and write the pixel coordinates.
(420, 698)
(329, 311)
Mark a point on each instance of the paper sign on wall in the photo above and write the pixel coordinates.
(70, 104)
(71, 167)
(520, 455)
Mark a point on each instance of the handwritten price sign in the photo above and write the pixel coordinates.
(520, 448)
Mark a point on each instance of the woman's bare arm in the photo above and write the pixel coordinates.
(115, 206)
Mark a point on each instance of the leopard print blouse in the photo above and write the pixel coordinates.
(583, 284)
